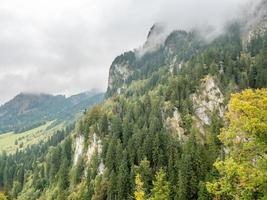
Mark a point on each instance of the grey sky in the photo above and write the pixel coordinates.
(67, 46)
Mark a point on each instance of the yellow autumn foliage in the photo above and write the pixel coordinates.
(2, 196)
(243, 172)
(139, 190)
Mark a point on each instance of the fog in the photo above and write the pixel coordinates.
(66, 47)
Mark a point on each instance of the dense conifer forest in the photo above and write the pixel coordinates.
(151, 140)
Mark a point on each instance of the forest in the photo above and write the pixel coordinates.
(138, 155)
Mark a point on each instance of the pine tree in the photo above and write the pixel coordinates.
(123, 178)
(100, 191)
(17, 187)
(145, 173)
(109, 160)
(161, 187)
(182, 187)
(118, 155)
(63, 176)
(203, 194)
(104, 125)
(54, 161)
(112, 187)
(77, 172)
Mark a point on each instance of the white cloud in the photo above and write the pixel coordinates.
(67, 46)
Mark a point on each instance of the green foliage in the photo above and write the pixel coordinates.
(161, 187)
(145, 173)
(243, 171)
(77, 172)
(136, 141)
(63, 177)
(28, 111)
(34, 164)
(17, 187)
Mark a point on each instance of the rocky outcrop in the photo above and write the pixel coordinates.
(208, 99)
(256, 21)
(159, 50)
(121, 69)
(78, 148)
(174, 124)
(155, 39)
(181, 46)
(94, 147)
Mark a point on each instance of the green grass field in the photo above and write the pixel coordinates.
(10, 142)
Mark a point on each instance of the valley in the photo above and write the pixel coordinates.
(11, 142)
(183, 118)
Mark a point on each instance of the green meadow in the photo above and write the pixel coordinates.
(10, 142)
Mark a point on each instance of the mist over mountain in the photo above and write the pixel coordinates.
(184, 116)
(71, 45)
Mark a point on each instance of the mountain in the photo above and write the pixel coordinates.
(184, 118)
(26, 111)
(178, 48)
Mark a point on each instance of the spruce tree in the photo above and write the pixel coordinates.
(161, 187)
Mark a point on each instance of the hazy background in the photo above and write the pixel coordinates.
(67, 46)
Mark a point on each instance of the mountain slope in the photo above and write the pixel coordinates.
(26, 111)
(156, 133)
(165, 111)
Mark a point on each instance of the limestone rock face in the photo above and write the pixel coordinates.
(208, 99)
(159, 50)
(155, 40)
(256, 20)
(94, 147)
(121, 71)
(78, 148)
(174, 123)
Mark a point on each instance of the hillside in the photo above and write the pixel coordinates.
(26, 111)
(183, 119)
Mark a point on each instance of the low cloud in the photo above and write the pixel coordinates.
(58, 46)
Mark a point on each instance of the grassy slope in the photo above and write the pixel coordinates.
(33, 136)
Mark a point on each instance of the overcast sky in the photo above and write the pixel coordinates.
(67, 46)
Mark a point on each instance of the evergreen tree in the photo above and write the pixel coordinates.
(112, 186)
(203, 193)
(123, 178)
(17, 187)
(145, 172)
(161, 187)
(78, 172)
(104, 125)
(63, 176)
(182, 188)
(100, 191)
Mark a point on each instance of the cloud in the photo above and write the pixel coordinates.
(59, 46)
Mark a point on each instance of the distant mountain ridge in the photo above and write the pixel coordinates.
(160, 124)
(28, 110)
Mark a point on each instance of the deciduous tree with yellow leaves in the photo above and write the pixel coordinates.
(243, 171)
(2, 196)
(139, 190)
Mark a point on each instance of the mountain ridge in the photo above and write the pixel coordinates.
(40, 107)
(160, 125)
